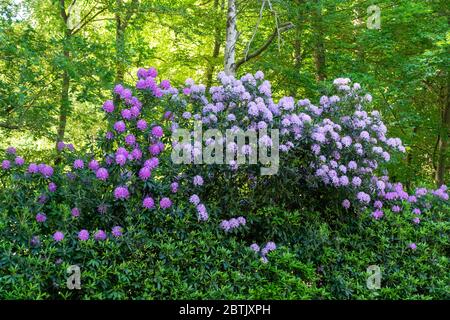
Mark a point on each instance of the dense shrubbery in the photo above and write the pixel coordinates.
(142, 227)
(174, 263)
(343, 251)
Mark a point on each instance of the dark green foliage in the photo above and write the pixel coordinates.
(342, 253)
(183, 260)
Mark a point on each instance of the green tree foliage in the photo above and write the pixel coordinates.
(404, 62)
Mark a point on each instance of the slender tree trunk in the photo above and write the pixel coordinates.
(297, 45)
(231, 39)
(441, 167)
(298, 59)
(64, 107)
(65, 102)
(409, 159)
(298, 56)
(120, 43)
(216, 50)
(319, 46)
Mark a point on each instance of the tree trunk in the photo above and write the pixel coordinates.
(216, 50)
(297, 63)
(298, 58)
(297, 45)
(409, 160)
(441, 167)
(319, 46)
(120, 44)
(65, 102)
(64, 107)
(231, 39)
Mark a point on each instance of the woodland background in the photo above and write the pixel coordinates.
(60, 59)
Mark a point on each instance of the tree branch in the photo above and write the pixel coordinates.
(85, 17)
(64, 15)
(77, 29)
(256, 27)
(5, 125)
(284, 27)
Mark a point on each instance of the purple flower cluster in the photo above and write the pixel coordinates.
(40, 217)
(6, 164)
(102, 174)
(58, 236)
(270, 246)
(83, 235)
(19, 161)
(174, 187)
(395, 198)
(75, 212)
(121, 193)
(52, 187)
(197, 181)
(61, 145)
(131, 133)
(99, 235)
(117, 231)
(78, 164)
(202, 212)
(148, 203)
(157, 131)
(93, 165)
(348, 145)
(45, 170)
(148, 83)
(108, 106)
(145, 173)
(441, 192)
(165, 203)
(194, 199)
(233, 223)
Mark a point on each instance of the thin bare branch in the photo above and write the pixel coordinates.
(256, 27)
(282, 28)
(76, 30)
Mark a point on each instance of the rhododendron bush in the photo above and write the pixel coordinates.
(336, 148)
(124, 193)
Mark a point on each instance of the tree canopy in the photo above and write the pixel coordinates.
(60, 58)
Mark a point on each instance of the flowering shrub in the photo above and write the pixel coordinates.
(100, 190)
(334, 151)
(125, 188)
